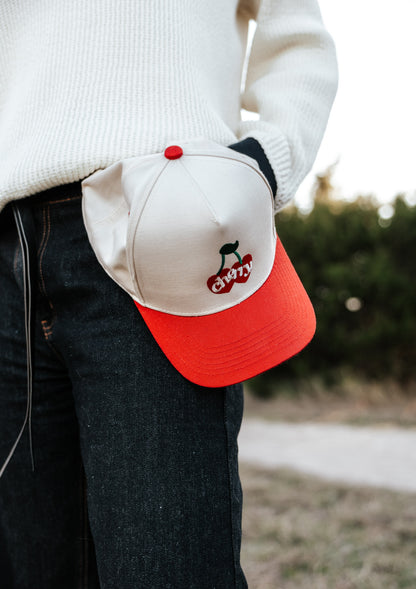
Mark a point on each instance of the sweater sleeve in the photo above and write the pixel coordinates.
(292, 80)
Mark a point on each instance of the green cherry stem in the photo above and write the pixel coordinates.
(222, 264)
(239, 258)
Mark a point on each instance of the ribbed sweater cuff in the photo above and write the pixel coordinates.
(277, 151)
(252, 148)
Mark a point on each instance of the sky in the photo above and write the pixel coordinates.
(372, 125)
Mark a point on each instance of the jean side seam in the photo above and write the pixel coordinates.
(230, 486)
(81, 532)
(47, 326)
(85, 534)
(83, 550)
(43, 232)
(42, 247)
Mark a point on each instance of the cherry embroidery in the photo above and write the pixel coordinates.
(223, 281)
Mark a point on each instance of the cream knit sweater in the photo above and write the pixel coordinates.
(85, 83)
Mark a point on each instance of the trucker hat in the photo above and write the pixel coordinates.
(189, 233)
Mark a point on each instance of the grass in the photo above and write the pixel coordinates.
(300, 532)
(355, 403)
(303, 533)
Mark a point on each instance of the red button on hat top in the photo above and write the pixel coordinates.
(173, 152)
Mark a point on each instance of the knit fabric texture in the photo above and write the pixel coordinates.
(84, 84)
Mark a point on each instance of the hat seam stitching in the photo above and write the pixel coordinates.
(130, 263)
(206, 199)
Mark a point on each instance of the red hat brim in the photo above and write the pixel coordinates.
(231, 346)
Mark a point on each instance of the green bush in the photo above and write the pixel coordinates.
(359, 271)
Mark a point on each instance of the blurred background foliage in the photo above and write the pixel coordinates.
(357, 261)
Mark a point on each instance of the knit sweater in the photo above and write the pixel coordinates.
(86, 83)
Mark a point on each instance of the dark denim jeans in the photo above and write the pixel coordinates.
(136, 479)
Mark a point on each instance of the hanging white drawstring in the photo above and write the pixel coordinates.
(27, 288)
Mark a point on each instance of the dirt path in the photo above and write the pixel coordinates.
(382, 456)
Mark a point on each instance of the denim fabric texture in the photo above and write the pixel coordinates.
(136, 480)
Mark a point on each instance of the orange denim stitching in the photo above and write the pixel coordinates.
(54, 202)
(47, 330)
